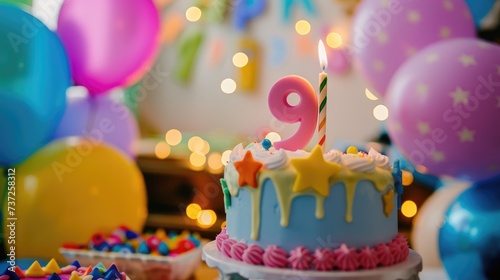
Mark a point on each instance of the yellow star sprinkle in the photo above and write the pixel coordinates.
(388, 202)
(313, 172)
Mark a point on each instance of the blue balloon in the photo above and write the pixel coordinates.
(34, 76)
(469, 240)
(479, 9)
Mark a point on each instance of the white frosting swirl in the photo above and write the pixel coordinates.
(380, 160)
(358, 162)
(333, 156)
(237, 153)
(272, 159)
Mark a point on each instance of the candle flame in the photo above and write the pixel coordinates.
(323, 61)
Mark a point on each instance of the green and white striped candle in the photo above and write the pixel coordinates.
(323, 81)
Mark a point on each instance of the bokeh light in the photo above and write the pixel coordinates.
(240, 59)
(407, 178)
(193, 14)
(192, 210)
(370, 95)
(273, 137)
(214, 161)
(206, 218)
(409, 208)
(334, 40)
(162, 150)
(197, 159)
(195, 144)
(173, 137)
(228, 86)
(225, 157)
(303, 27)
(380, 112)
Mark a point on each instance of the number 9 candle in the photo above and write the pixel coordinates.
(305, 112)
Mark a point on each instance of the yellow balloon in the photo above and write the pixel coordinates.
(71, 189)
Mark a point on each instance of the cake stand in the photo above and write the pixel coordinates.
(230, 269)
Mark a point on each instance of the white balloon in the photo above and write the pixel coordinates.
(47, 11)
(430, 218)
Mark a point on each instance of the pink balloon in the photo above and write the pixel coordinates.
(444, 108)
(109, 43)
(387, 32)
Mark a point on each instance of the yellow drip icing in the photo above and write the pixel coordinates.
(283, 181)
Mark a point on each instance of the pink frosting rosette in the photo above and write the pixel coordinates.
(367, 258)
(220, 238)
(275, 257)
(253, 255)
(300, 258)
(226, 247)
(346, 258)
(237, 250)
(324, 259)
(384, 255)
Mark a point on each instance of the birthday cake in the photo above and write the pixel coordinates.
(311, 210)
(74, 271)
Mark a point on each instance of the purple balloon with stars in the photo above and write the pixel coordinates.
(387, 32)
(444, 109)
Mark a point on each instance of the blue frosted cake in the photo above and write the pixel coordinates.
(311, 210)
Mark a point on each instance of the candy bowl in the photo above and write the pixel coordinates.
(140, 266)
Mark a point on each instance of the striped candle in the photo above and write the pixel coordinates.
(323, 80)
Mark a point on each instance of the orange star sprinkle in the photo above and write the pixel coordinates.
(248, 169)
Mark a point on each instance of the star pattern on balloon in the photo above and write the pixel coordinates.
(411, 51)
(448, 5)
(422, 89)
(247, 170)
(387, 199)
(444, 32)
(314, 172)
(460, 96)
(414, 16)
(437, 156)
(467, 60)
(466, 135)
(423, 128)
(431, 58)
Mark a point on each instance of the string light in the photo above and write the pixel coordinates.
(206, 218)
(197, 159)
(214, 161)
(195, 144)
(407, 178)
(409, 209)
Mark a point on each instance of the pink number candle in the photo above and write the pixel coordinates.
(305, 112)
(323, 79)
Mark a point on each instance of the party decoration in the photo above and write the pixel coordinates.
(188, 49)
(480, 10)
(387, 33)
(172, 26)
(34, 75)
(116, 47)
(430, 217)
(248, 75)
(279, 51)
(100, 119)
(442, 123)
(323, 89)
(305, 112)
(72, 188)
(469, 239)
(339, 60)
(289, 4)
(246, 10)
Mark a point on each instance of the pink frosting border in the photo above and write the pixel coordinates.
(343, 258)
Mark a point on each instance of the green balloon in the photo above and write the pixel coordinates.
(23, 2)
